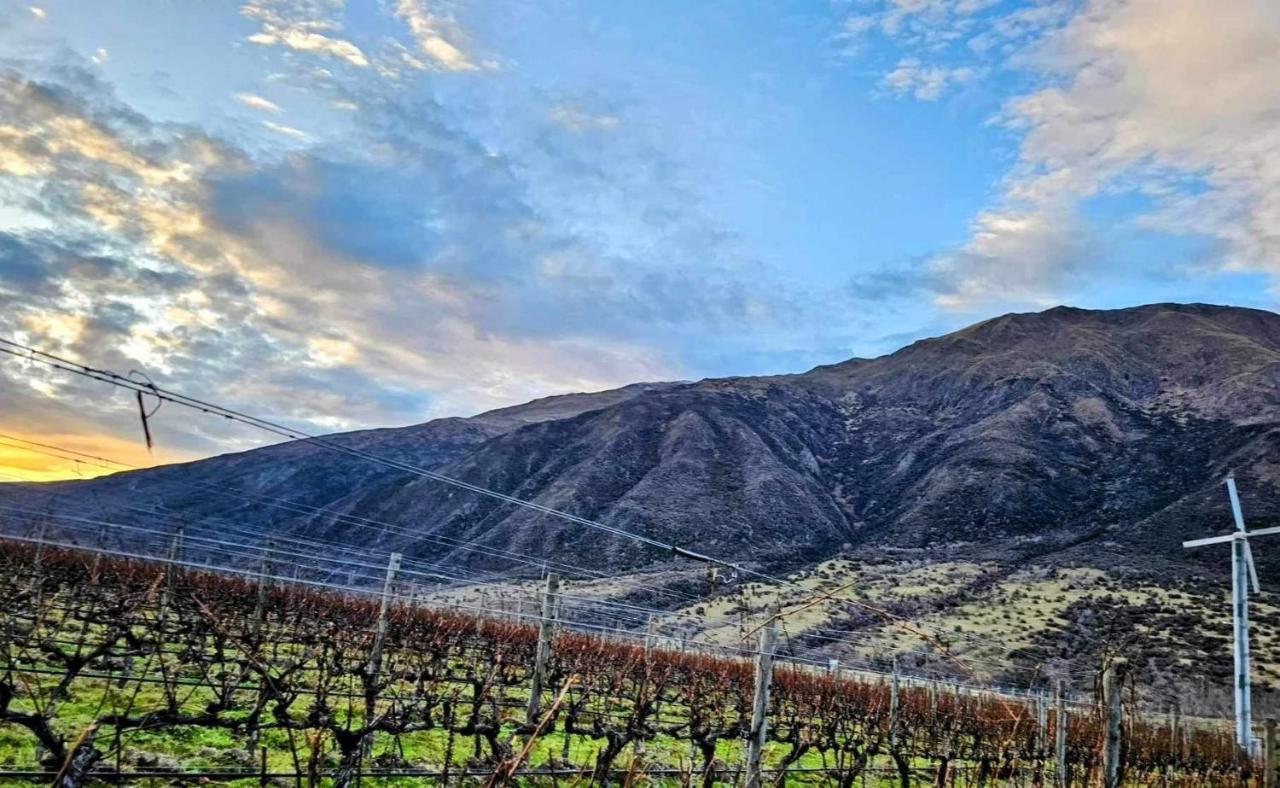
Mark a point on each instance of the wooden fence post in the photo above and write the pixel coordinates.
(1112, 691)
(1060, 738)
(546, 633)
(760, 706)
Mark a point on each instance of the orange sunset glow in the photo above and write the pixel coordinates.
(46, 457)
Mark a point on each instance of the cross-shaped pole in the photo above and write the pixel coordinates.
(1243, 574)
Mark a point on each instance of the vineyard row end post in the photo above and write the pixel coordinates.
(760, 705)
(546, 633)
(1112, 691)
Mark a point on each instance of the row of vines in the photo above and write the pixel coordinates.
(122, 670)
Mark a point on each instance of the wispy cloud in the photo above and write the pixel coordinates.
(924, 82)
(37, 12)
(432, 33)
(253, 101)
(575, 117)
(300, 28)
(288, 131)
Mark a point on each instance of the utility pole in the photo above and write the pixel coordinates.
(760, 707)
(546, 633)
(1243, 574)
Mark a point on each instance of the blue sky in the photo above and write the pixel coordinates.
(374, 213)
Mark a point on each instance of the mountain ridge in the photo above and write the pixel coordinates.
(996, 434)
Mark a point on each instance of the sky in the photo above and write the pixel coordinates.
(352, 214)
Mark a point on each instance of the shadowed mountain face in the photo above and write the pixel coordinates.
(1067, 436)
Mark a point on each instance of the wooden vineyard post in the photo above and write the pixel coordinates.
(546, 633)
(175, 553)
(374, 666)
(1269, 754)
(388, 586)
(649, 639)
(760, 705)
(1060, 738)
(1112, 690)
(40, 536)
(894, 705)
(259, 618)
(1042, 735)
(264, 569)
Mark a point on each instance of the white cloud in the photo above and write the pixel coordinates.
(37, 12)
(924, 82)
(253, 101)
(575, 117)
(432, 32)
(301, 29)
(288, 131)
(960, 40)
(173, 276)
(1172, 100)
(1159, 92)
(100, 56)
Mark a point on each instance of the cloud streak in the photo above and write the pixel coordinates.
(432, 33)
(301, 27)
(258, 102)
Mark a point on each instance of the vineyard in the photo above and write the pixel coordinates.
(125, 670)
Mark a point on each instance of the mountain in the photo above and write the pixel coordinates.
(1068, 439)
(1027, 434)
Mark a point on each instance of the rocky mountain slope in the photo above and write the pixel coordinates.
(1069, 439)
(1089, 433)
